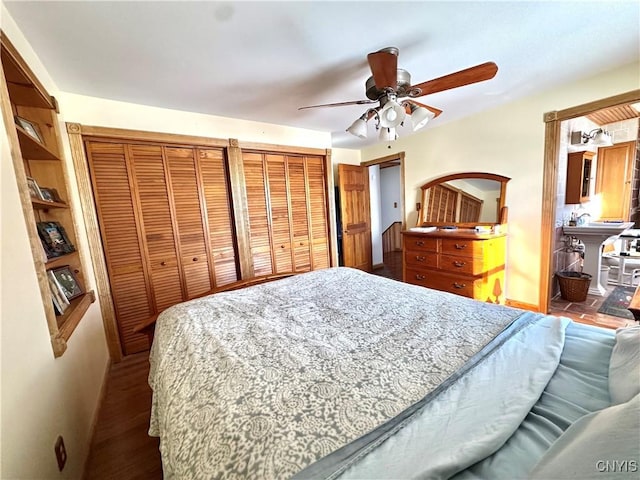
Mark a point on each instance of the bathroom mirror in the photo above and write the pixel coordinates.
(464, 199)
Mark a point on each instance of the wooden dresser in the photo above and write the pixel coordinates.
(457, 261)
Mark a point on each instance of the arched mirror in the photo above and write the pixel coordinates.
(464, 199)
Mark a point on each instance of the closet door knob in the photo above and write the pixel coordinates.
(163, 263)
(195, 259)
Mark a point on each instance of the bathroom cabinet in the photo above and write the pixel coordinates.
(579, 171)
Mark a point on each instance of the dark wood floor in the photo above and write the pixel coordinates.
(122, 449)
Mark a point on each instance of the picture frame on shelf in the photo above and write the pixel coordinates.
(54, 239)
(34, 189)
(50, 195)
(29, 127)
(60, 300)
(68, 282)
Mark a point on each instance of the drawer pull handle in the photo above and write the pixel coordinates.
(420, 243)
(459, 285)
(420, 258)
(459, 264)
(420, 277)
(461, 246)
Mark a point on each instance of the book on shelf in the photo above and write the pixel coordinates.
(60, 301)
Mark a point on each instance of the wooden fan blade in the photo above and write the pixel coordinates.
(433, 110)
(479, 73)
(340, 104)
(384, 67)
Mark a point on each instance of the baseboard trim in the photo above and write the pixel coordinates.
(522, 305)
(96, 415)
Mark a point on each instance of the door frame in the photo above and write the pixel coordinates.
(552, 122)
(395, 156)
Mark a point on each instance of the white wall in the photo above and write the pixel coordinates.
(390, 194)
(508, 140)
(42, 397)
(376, 214)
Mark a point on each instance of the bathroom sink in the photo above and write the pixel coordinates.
(598, 228)
(592, 236)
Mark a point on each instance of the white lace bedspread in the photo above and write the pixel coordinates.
(262, 382)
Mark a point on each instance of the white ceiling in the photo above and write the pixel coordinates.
(262, 60)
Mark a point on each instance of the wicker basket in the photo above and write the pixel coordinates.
(574, 285)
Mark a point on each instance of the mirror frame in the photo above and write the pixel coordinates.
(502, 208)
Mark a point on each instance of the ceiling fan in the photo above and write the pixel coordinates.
(391, 88)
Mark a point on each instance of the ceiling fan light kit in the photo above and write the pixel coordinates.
(390, 85)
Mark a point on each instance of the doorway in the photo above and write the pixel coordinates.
(559, 126)
(386, 183)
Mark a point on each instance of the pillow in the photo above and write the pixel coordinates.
(602, 444)
(624, 366)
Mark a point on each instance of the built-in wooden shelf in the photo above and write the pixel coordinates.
(72, 315)
(23, 86)
(45, 205)
(60, 261)
(33, 149)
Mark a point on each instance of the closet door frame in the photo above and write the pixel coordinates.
(233, 148)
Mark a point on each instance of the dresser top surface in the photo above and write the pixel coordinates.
(468, 233)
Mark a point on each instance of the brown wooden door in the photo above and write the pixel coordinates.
(156, 223)
(188, 215)
(296, 175)
(279, 217)
(614, 169)
(217, 203)
(318, 212)
(258, 210)
(353, 182)
(110, 177)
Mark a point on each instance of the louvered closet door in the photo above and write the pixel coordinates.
(318, 214)
(157, 225)
(299, 214)
(215, 190)
(257, 192)
(281, 222)
(192, 243)
(117, 219)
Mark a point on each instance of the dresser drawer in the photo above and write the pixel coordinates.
(464, 265)
(463, 247)
(440, 281)
(420, 259)
(420, 244)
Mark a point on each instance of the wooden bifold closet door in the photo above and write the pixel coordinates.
(288, 216)
(166, 227)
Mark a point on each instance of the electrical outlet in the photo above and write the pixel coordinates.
(61, 452)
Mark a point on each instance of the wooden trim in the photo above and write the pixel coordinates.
(280, 149)
(155, 137)
(462, 175)
(102, 394)
(240, 208)
(331, 210)
(72, 319)
(524, 306)
(400, 157)
(550, 179)
(92, 231)
(586, 108)
(35, 92)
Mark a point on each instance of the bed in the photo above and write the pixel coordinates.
(339, 374)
